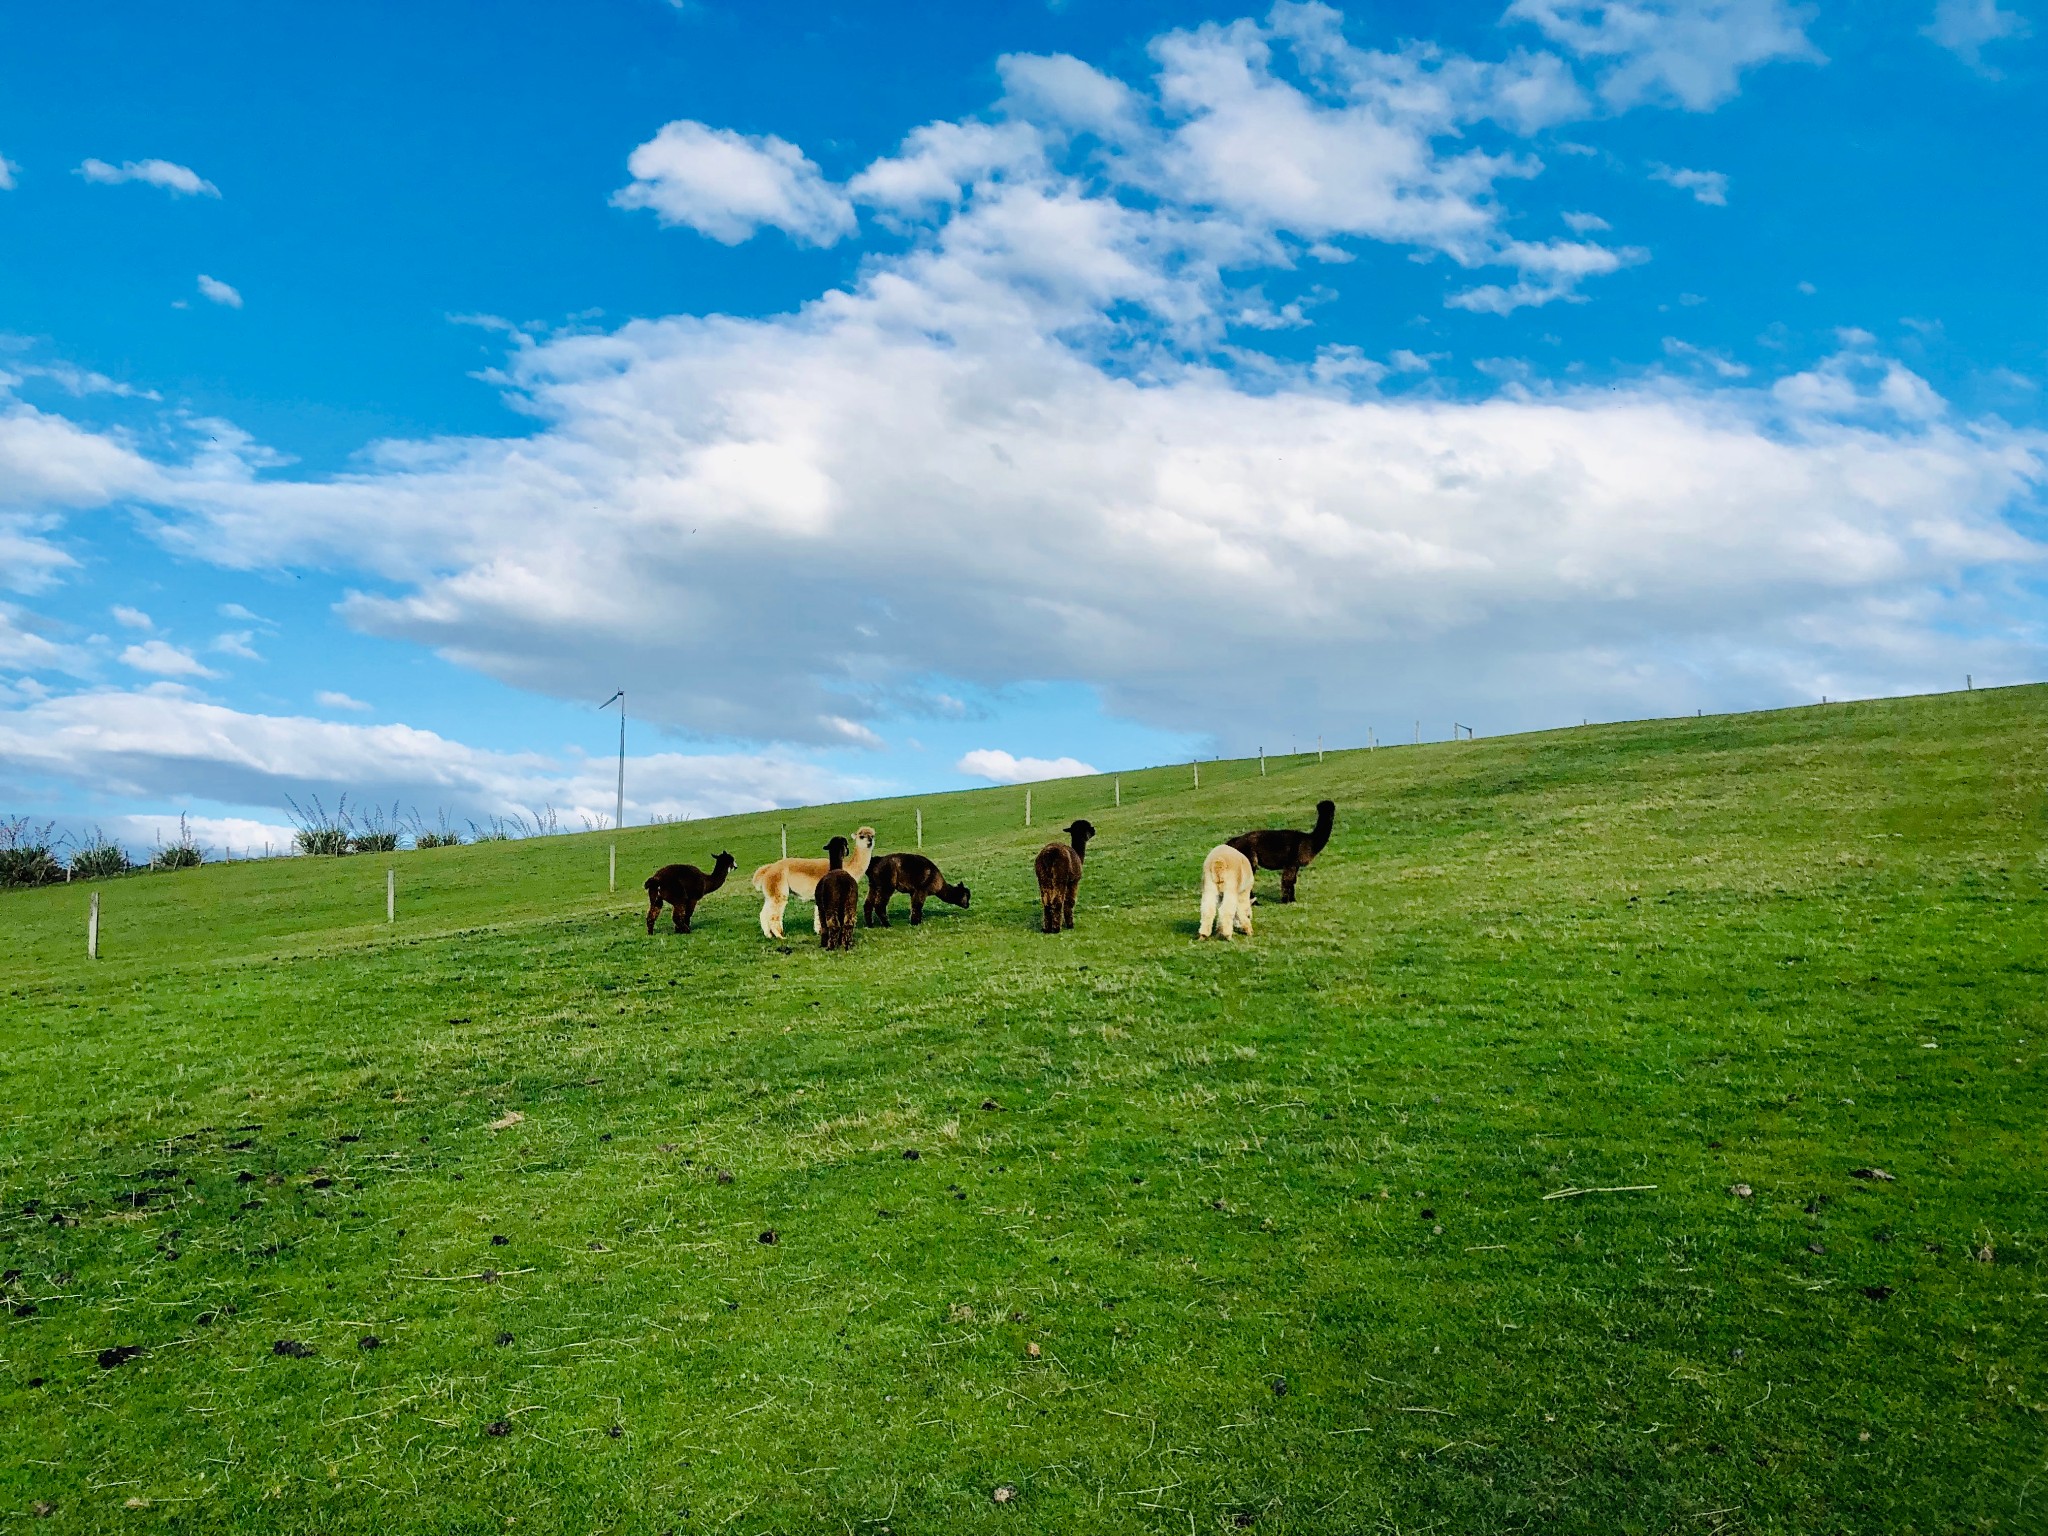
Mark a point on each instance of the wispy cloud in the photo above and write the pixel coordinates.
(167, 174)
(8, 170)
(999, 767)
(131, 618)
(329, 699)
(1966, 27)
(162, 659)
(1709, 187)
(220, 292)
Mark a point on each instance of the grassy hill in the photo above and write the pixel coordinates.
(1417, 1210)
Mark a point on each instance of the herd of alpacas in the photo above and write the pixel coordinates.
(832, 884)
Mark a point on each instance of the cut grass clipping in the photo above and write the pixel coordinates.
(1631, 1129)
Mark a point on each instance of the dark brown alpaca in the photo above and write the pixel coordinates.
(838, 899)
(682, 886)
(914, 875)
(1059, 874)
(1288, 851)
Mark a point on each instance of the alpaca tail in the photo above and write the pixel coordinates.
(654, 888)
(760, 880)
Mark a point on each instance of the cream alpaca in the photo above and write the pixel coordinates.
(1226, 892)
(785, 878)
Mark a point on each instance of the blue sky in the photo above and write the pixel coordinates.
(914, 396)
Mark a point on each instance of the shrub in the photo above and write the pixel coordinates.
(27, 854)
(440, 835)
(369, 832)
(99, 859)
(182, 854)
(317, 831)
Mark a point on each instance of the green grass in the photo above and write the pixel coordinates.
(1764, 950)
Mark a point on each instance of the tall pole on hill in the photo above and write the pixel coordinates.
(619, 816)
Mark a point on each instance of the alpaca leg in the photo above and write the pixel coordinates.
(771, 917)
(1050, 902)
(683, 911)
(1244, 911)
(916, 908)
(1209, 910)
(1287, 884)
(1067, 910)
(653, 911)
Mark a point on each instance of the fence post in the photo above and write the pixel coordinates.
(614, 877)
(1198, 774)
(92, 928)
(1262, 762)
(785, 840)
(390, 895)
(1319, 749)
(920, 829)
(1119, 791)
(1027, 807)
(1418, 733)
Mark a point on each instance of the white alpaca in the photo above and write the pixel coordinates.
(785, 878)
(1226, 892)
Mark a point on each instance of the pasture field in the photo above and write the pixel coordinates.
(1153, 1236)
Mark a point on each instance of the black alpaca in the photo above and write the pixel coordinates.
(682, 886)
(913, 874)
(1288, 851)
(837, 898)
(1059, 874)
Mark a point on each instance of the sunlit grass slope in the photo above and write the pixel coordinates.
(1153, 1235)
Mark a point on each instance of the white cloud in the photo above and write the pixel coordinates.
(220, 837)
(1553, 270)
(237, 642)
(727, 185)
(131, 618)
(8, 171)
(840, 728)
(155, 173)
(219, 292)
(1692, 52)
(328, 699)
(162, 659)
(1586, 223)
(1000, 767)
(237, 611)
(1965, 27)
(168, 746)
(1709, 187)
(1722, 366)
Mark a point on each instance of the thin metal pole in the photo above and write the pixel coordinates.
(92, 928)
(619, 819)
(390, 895)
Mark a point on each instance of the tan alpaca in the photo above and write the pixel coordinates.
(785, 878)
(1226, 892)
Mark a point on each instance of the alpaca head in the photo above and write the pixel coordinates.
(724, 862)
(956, 894)
(836, 851)
(1080, 832)
(866, 837)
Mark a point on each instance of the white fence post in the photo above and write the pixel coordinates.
(1119, 791)
(614, 877)
(1319, 749)
(1262, 762)
(92, 928)
(785, 840)
(1198, 774)
(920, 829)
(390, 895)
(1027, 807)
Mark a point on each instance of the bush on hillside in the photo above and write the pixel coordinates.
(185, 853)
(28, 854)
(318, 831)
(99, 859)
(370, 832)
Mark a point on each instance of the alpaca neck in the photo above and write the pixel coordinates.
(717, 877)
(1326, 819)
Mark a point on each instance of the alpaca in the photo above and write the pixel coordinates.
(838, 897)
(913, 874)
(1287, 851)
(682, 886)
(1226, 892)
(785, 878)
(1059, 873)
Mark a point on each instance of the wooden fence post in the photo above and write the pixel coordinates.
(785, 840)
(1198, 774)
(1027, 807)
(920, 829)
(614, 880)
(92, 928)
(390, 895)
(1119, 792)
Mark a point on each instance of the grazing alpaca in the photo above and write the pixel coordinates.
(1226, 892)
(838, 898)
(682, 886)
(1287, 851)
(1059, 873)
(916, 876)
(785, 878)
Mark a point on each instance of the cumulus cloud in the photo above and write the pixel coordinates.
(219, 292)
(328, 699)
(165, 744)
(727, 185)
(155, 173)
(1966, 27)
(162, 659)
(1691, 52)
(999, 767)
(131, 618)
(1709, 187)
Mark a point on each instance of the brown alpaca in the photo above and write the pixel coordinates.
(1287, 851)
(1059, 874)
(916, 876)
(785, 878)
(838, 899)
(682, 886)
